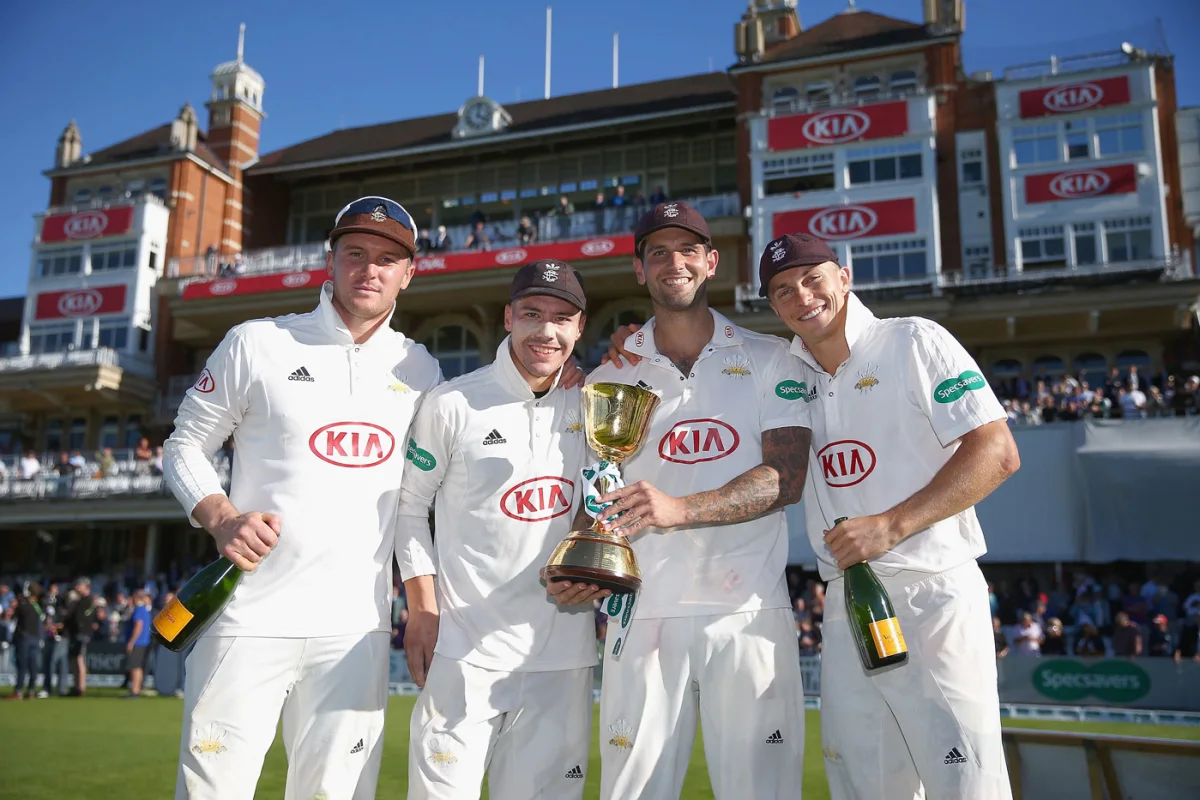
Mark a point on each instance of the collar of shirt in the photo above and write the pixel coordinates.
(333, 324)
(859, 320)
(510, 376)
(725, 334)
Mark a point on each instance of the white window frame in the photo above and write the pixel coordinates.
(1124, 228)
(1037, 132)
(1043, 233)
(895, 152)
(870, 251)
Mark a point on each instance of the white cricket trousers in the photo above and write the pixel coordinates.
(931, 722)
(332, 692)
(738, 674)
(529, 731)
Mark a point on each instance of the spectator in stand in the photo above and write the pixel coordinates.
(1126, 638)
(1191, 606)
(1055, 641)
(142, 455)
(1156, 406)
(1161, 641)
(65, 473)
(107, 462)
(659, 196)
(1001, 639)
(1028, 638)
(618, 201)
(1135, 605)
(1187, 399)
(1133, 402)
(27, 641)
(526, 231)
(1101, 406)
(478, 240)
(30, 466)
(442, 241)
(424, 245)
(78, 462)
(156, 467)
(564, 211)
(137, 641)
(1089, 643)
(807, 638)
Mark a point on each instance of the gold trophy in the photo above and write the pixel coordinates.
(616, 421)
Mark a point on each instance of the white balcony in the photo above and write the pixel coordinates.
(100, 357)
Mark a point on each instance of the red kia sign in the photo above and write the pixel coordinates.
(538, 499)
(838, 126)
(1078, 184)
(854, 221)
(602, 247)
(80, 302)
(1072, 97)
(352, 444)
(697, 440)
(846, 463)
(87, 224)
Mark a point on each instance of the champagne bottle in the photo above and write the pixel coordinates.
(199, 602)
(871, 617)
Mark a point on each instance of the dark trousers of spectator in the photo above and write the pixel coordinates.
(54, 656)
(29, 658)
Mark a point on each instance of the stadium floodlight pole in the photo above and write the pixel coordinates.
(616, 58)
(547, 52)
(481, 74)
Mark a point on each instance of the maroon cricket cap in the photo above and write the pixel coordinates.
(670, 215)
(379, 216)
(791, 250)
(555, 278)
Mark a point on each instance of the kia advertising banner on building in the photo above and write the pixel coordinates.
(80, 302)
(848, 222)
(1070, 98)
(571, 252)
(838, 126)
(87, 224)
(1078, 184)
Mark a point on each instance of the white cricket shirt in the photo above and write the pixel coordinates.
(884, 426)
(502, 469)
(319, 425)
(706, 431)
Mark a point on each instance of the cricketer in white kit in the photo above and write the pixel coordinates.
(712, 638)
(907, 438)
(507, 689)
(319, 406)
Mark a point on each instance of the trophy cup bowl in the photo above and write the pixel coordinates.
(616, 421)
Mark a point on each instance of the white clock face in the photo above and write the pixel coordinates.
(478, 115)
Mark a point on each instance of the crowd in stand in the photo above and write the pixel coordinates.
(1094, 618)
(1124, 394)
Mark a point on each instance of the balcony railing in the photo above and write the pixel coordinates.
(804, 105)
(98, 203)
(99, 357)
(1058, 66)
(501, 234)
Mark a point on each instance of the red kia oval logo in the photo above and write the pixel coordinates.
(80, 304)
(205, 383)
(86, 225)
(835, 127)
(510, 256)
(1080, 183)
(1073, 98)
(352, 444)
(538, 499)
(223, 287)
(597, 247)
(846, 463)
(843, 222)
(430, 264)
(694, 441)
(296, 279)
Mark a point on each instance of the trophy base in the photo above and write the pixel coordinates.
(597, 558)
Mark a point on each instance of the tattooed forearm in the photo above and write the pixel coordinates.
(777, 482)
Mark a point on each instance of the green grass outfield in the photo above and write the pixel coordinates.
(108, 748)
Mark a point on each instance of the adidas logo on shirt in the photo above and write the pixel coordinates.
(358, 748)
(955, 757)
(302, 375)
(574, 772)
(494, 438)
(775, 738)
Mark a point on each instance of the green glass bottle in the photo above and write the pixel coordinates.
(871, 617)
(199, 602)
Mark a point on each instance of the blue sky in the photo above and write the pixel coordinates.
(122, 68)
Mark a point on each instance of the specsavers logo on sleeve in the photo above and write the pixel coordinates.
(950, 390)
(795, 390)
(421, 459)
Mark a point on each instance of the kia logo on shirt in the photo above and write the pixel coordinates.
(597, 247)
(694, 441)
(86, 225)
(1073, 98)
(510, 256)
(835, 127)
(846, 463)
(843, 222)
(1081, 183)
(80, 304)
(538, 499)
(352, 444)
